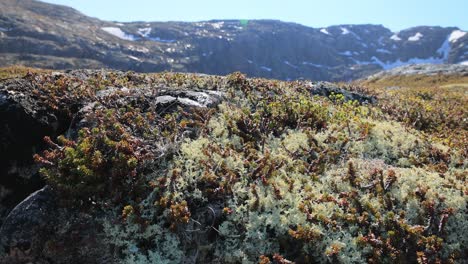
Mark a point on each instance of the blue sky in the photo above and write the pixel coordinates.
(394, 14)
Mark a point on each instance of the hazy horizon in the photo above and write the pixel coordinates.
(396, 15)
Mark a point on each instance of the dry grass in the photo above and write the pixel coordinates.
(18, 71)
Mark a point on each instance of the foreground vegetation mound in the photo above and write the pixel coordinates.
(269, 173)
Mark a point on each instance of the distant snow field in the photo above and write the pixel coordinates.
(384, 51)
(325, 31)
(346, 53)
(416, 37)
(456, 35)
(144, 32)
(134, 58)
(345, 31)
(217, 25)
(395, 37)
(119, 33)
(314, 64)
(290, 64)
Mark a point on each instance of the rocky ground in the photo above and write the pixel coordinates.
(118, 167)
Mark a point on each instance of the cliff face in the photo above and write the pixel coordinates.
(44, 35)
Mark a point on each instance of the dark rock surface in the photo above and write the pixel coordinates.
(38, 230)
(22, 129)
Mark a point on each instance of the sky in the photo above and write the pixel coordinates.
(394, 14)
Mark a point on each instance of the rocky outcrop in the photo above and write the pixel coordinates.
(23, 127)
(327, 89)
(26, 120)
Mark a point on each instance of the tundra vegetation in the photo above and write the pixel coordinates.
(272, 174)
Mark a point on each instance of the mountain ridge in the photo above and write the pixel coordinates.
(44, 35)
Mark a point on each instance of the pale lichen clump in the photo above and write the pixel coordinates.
(330, 214)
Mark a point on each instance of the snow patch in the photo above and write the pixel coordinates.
(38, 29)
(290, 64)
(315, 65)
(217, 25)
(416, 37)
(134, 58)
(464, 63)
(384, 51)
(325, 31)
(395, 37)
(119, 33)
(265, 68)
(144, 32)
(345, 31)
(443, 52)
(158, 39)
(138, 49)
(390, 65)
(346, 53)
(3, 29)
(456, 35)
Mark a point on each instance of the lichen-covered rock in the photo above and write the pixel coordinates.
(327, 89)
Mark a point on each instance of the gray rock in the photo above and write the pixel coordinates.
(326, 89)
(40, 230)
(24, 123)
(32, 219)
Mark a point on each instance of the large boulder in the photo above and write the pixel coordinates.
(22, 129)
(40, 230)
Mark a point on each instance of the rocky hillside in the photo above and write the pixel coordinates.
(190, 168)
(50, 36)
